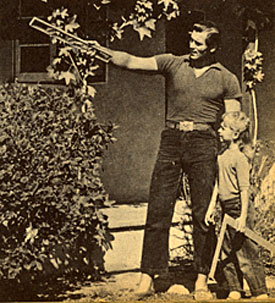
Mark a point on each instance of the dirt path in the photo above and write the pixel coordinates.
(118, 288)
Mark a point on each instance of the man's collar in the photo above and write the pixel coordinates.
(214, 64)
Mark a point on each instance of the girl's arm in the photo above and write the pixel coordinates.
(241, 221)
(208, 219)
(243, 171)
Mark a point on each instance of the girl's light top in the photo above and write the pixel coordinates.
(234, 170)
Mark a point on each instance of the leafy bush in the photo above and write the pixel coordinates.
(265, 208)
(51, 147)
(184, 253)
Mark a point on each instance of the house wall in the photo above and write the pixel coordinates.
(266, 90)
(6, 64)
(136, 101)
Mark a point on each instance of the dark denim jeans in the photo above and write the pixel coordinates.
(240, 255)
(195, 153)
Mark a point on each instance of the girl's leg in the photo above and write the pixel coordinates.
(242, 256)
(250, 262)
(252, 267)
(230, 266)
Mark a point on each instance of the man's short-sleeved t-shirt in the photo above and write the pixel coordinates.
(196, 99)
(234, 171)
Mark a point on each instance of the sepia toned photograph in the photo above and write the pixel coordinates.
(137, 151)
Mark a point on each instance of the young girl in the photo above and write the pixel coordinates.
(239, 254)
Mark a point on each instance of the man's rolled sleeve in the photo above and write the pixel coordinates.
(164, 62)
(232, 87)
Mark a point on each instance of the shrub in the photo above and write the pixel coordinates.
(265, 207)
(51, 147)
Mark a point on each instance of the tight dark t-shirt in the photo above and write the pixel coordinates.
(198, 99)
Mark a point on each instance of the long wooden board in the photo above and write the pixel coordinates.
(228, 220)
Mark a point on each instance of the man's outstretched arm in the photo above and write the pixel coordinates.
(126, 60)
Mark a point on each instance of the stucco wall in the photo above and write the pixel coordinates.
(136, 102)
(266, 90)
(5, 60)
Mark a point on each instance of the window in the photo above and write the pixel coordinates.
(33, 49)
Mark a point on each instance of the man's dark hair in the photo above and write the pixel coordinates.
(213, 33)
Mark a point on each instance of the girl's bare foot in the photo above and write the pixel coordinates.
(262, 297)
(234, 295)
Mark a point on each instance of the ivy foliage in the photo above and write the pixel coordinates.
(253, 68)
(75, 66)
(51, 147)
(139, 15)
(260, 195)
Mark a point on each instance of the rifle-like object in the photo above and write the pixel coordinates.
(228, 220)
(68, 38)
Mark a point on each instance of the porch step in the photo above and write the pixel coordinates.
(134, 215)
(127, 225)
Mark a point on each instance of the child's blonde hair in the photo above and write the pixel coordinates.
(239, 123)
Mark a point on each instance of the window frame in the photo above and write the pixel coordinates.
(30, 77)
(42, 77)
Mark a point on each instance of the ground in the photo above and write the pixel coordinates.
(119, 287)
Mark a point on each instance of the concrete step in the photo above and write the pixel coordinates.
(131, 215)
(127, 249)
(127, 223)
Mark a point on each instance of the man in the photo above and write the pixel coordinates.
(198, 89)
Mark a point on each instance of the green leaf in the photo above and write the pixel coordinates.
(64, 51)
(72, 26)
(39, 266)
(143, 31)
(67, 76)
(64, 13)
(151, 24)
(91, 92)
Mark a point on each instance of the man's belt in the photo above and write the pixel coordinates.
(187, 126)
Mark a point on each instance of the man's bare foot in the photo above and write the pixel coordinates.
(201, 282)
(145, 287)
(234, 295)
(201, 291)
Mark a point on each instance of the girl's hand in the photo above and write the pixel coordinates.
(241, 224)
(209, 216)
